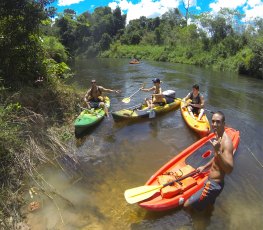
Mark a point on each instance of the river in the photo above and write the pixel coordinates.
(118, 156)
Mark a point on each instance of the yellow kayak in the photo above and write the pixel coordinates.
(201, 127)
(141, 111)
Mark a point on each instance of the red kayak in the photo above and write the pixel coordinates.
(181, 166)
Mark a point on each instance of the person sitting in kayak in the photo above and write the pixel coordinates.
(157, 96)
(94, 98)
(197, 102)
(222, 163)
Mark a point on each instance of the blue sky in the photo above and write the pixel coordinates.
(153, 8)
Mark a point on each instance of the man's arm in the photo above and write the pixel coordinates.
(187, 97)
(87, 98)
(109, 90)
(148, 90)
(207, 165)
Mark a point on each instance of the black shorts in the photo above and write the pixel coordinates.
(95, 103)
(195, 110)
(206, 195)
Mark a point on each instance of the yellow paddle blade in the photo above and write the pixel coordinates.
(135, 195)
(126, 100)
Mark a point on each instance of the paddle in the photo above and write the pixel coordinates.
(134, 106)
(152, 114)
(135, 195)
(128, 99)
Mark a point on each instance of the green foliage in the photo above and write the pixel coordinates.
(150, 39)
(217, 41)
(256, 62)
(56, 70)
(141, 51)
(88, 34)
(54, 49)
(105, 42)
(21, 53)
(9, 137)
(221, 41)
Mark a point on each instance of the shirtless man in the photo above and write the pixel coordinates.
(94, 99)
(222, 163)
(157, 96)
(197, 102)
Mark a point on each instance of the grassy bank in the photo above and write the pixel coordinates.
(193, 54)
(35, 127)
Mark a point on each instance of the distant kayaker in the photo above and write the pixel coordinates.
(94, 98)
(135, 61)
(157, 96)
(222, 163)
(197, 102)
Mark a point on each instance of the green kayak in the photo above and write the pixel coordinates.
(89, 117)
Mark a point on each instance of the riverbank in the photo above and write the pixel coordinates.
(34, 123)
(241, 62)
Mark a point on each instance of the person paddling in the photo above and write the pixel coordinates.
(94, 98)
(157, 96)
(197, 102)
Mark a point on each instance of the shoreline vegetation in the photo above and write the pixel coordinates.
(183, 55)
(34, 132)
(36, 107)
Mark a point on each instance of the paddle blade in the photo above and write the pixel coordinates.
(135, 195)
(152, 114)
(126, 100)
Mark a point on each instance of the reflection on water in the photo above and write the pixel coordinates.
(118, 156)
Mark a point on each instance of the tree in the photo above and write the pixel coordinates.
(216, 26)
(158, 36)
(54, 49)
(119, 21)
(105, 42)
(174, 18)
(21, 54)
(135, 38)
(256, 62)
(186, 4)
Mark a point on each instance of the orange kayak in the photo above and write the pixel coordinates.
(202, 127)
(187, 161)
(134, 62)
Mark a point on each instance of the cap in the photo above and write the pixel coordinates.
(156, 80)
(93, 81)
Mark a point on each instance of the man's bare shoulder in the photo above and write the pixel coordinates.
(227, 143)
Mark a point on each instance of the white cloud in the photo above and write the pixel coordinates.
(68, 2)
(253, 3)
(218, 4)
(113, 5)
(147, 8)
(253, 9)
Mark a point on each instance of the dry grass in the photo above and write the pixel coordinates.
(39, 141)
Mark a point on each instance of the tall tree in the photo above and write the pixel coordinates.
(186, 4)
(21, 56)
